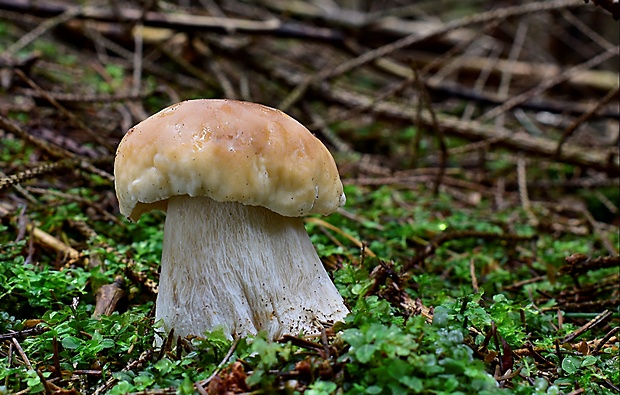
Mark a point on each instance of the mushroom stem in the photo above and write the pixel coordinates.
(242, 268)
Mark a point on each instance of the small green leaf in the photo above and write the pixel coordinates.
(374, 389)
(589, 361)
(570, 364)
(365, 352)
(71, 342)
(107, 343)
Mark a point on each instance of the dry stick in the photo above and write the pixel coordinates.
(406, 41)
(127, 56)
(483, 76)
(50, 388)
(607, 202)
(445, 237)
(134, 364)
(35, 331)
(187, 66)
(219, 367)
(446, 66)
(217, 70)
(585, 29)
(596, 229)
(523, 195)
(40, 30)
(407, 73)
(482, 79)
(68, 163)
(322, 223)
(410, 180)
(472, 272)
(443, 153)
(56, 357)
(513, 55)
(21, 352)
(137, 58)
(327, 132)
(547, 84)
(591, 324)
(52, 242)
(200, 389)
(76, 121)
(52, 150)
(605, 339)
(521, 283)
(584, 118)
(25, 175)
(69, 159)
(501, 13)
(213, 9)
(21, 190)
(88, 98)
(532, 71)
(177, 21)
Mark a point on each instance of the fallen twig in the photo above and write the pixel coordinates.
(591, 324)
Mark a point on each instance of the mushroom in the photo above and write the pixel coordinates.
(233, 178)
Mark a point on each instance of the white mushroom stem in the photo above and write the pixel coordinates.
(242, 268)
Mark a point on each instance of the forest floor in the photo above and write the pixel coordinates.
(478, 147)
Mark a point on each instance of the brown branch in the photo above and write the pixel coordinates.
(535, 104)
(589, 325)
(72, 118)
(584, 117)
(613, 7)
(425, 100)
(605, 339)
(416, 37)
(16, 129)
(580, 263)
(18, 178)
(37, 330)
(178, 21)
(371, 24)
(549, 83)
(474, 19)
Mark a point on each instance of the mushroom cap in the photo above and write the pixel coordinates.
(226, 150)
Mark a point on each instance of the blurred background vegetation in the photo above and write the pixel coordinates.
(478, 145)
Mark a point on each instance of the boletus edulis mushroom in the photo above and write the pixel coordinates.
(233, 177)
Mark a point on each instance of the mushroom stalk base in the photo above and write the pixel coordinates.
(241, 268)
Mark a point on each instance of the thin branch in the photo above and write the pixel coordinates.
(414, 38)
(40, 30)
(75, 120)
(589, 325)
(585, 117)
(425, 100)
(475, 19)
(523, 194)
(219, 367)
(547, 84)
(178, 21)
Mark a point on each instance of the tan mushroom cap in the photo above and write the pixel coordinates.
(229, 151)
